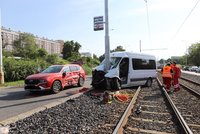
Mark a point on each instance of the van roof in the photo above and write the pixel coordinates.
(131, 54)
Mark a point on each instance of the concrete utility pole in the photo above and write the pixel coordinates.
(107, 42)
(1, 57)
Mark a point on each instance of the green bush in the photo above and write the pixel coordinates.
(20, 69)
(88, 70)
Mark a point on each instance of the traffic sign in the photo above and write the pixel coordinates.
(98, 23)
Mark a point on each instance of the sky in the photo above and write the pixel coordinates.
(165, 27)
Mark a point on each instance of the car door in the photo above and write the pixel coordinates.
(67, 76)
(75, 74)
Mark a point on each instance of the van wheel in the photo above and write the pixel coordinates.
(116, 84)
(81, 82)
(149, 82)
(56, 87)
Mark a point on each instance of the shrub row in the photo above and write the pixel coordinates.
(19, 69)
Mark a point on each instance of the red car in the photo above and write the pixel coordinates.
(55, 78)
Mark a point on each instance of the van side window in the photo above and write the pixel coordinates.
(143, 64)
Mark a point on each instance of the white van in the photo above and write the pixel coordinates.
(127, 69)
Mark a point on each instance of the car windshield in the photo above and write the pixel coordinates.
(114, 61)
(53, 69)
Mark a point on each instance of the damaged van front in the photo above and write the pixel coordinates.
(107, 79)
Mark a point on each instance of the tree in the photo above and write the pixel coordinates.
(168, 60)
(42, 53)
(95, 56)
(183, 59)
(52, 59)
(101, 58)
(194, 54)
(25, 46)
(7, 53)
(71, 50)
(161, 61)
(118, 48)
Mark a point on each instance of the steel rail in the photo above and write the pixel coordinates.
(190, 81)
(184, 125)
(119, 127)
(191, 90)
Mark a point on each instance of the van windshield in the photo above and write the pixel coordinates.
(114, 61)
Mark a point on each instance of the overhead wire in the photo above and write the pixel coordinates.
(148, 23)
(185, 19)
(149, 31)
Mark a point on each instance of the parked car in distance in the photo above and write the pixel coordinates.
(198, 70)
(56, 78)
(186, 68)
(193, 68)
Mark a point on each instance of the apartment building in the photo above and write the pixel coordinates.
(51, 46)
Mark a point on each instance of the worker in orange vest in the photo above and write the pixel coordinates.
(167, 75)
(176, 76)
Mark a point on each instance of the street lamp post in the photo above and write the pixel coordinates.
(1, 56)
(107, 42)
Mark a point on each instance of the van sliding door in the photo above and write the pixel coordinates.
(123, 70)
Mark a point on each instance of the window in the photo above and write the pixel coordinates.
(53, 69)
(66, 70)
(114, 61)
(74, 68)
(143, 64)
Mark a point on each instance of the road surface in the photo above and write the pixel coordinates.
(15, 101)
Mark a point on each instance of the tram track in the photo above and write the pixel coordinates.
(191, 85)
(187, 101)
(156, 116)
(151, 113)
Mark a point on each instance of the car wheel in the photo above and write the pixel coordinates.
(149, 82)
(116, 84)
(81, 81)
(56, 87)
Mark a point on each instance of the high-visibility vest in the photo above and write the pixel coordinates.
(167, 72)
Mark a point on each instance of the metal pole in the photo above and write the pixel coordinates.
(140, 46)
(107, 42)
(1, 57)
(186, 56)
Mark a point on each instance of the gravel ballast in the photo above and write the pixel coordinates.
(85, 114)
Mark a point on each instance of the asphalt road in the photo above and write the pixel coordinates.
(15, 101)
